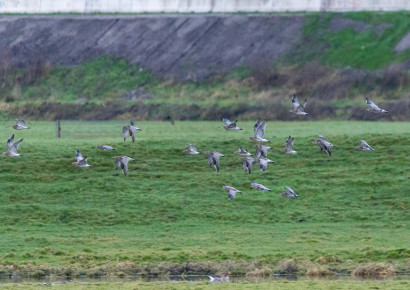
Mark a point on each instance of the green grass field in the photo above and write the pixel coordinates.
(170, 214)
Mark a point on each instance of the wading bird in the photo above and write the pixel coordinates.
(81, 161)
(230, 126)
(364, 146)
(12, 147)
(289, 146)
(259, 131)
(129, 129)
(231, 191)
(373, 107)
(213, 158)
(258, 186)
(297, 108)
(289, 192)
(123, 162)
(192, 150)
(20, 125)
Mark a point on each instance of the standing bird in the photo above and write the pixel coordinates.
(105, 147)
(261, 150)
(81, 161)
(231, 191)
(192, 150)
(373, 107)
(123, 162)
(242, 152)
(12, 147)
(20, 125)
(213, 158)
(289, 146)
(230, 126)
(289, 192)
(258, 186)
(247, 163)
(219, 278)
(259, 131)
(263, 163)
(129, 129)
(298, 109)
(364, 146)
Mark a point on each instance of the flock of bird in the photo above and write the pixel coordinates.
(260, 157)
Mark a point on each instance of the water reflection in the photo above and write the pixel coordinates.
(191, 278)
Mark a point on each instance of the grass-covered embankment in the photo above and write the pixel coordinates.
(170, 214)
(337, 61)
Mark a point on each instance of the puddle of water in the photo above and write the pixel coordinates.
(193, 279)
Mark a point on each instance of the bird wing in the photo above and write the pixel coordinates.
(10, 142)
(226, 121)
(79, 156)
(372, 105)
(231, 194)
(261, 130)
(258, 151)
(295, 102)
(290, 144)
(124, 165)
(263, 164)
(210, 159)
(256, 126)
(215, 160)
(264, 151)
(125, 130)
(15, 146)
(304, 104)
(289, 190)
(117, 162)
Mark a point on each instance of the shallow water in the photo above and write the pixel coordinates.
(194, 278)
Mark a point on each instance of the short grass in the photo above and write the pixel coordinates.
(171, 206)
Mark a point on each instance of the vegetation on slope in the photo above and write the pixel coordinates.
(334, 67)
(170, 213)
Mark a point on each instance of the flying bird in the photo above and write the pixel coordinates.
(289, 146)
(213, 158)
(192, 150)
(81, 161)
(297, 108)
(247, 163)
(231, 191)
(323, 144)
(20, 125)
(230, 126)
(241, 151)
(123, 162)
(259, 131)
(129, 130)
(289, 192)
(373, 107)
(364, 146)
(258, 186)
(261, 150)
(219, 278)
(323, 138)
(12, 147)
(263, 163)
(105, 147)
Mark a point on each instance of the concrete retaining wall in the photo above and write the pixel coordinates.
(197, 6)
